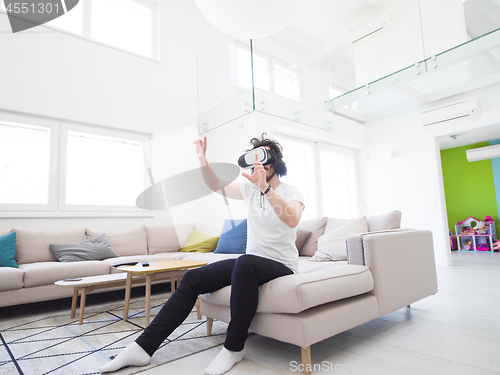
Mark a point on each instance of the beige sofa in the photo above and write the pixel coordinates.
(387, 269)
(38, 269)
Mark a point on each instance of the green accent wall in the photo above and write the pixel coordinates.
(469, 186)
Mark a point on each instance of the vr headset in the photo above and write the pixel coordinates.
(264, 156)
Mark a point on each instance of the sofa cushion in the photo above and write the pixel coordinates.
(387, 221)
(302, 236)
(166, 238)
(11, 278)
(200, 243)
(295, 293)
(332, 245)
(125, 241)
(317, 228)
(332, 223)
(8, 250)
(46, 273)
(96, 248)
(33, 245)
(233, 240)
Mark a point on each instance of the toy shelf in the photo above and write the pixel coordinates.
(475, 235)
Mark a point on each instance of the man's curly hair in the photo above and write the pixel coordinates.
(276, 150)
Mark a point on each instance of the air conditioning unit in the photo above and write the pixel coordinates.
(483, 153)
(454, 111)
(369, 28)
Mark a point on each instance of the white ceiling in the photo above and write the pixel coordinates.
(322, 22)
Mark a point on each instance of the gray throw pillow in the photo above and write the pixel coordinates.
(96, 248)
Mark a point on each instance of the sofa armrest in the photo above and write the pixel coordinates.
(402, 264)
(354, 243)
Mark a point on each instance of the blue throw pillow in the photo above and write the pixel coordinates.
(8, 250)
(233, 240)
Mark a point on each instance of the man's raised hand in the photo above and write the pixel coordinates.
(258, 177)
(201, 147)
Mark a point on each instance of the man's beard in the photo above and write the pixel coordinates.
(270, 177)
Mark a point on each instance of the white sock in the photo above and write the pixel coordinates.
(223, 362)
(132, 355)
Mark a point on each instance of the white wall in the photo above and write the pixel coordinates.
(397, 172)
(401, 167)
(58, 75)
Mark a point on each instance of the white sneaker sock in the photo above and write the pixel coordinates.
(132, 355)
(224, 361)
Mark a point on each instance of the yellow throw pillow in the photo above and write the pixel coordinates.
(200, 243)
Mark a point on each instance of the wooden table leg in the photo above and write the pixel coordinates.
(128, 289)
(148, 299)
(82, 305)
(74, 301)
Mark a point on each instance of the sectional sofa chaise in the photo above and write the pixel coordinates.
(383, 268)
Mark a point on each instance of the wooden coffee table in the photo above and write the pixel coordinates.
(173, 269)
(162, 270)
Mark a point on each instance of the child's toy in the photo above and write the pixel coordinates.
(476, 235)
(483, 247)
(467, 245)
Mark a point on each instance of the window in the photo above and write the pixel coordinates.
(24, 164)
(268, 73)
(65, 167)
(338, 184)
(241, 69)
(115, 166)
(299, 156)
(129, 25)
(324, 174)
(286, 82)
(71, 21)
(125, 24)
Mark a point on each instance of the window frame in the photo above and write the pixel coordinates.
(56, 206)
(318, 146)
(86, 32)
(345, 151)
(53, 172)
(65, 128)
(271, 63)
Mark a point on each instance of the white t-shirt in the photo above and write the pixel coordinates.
(268, 236)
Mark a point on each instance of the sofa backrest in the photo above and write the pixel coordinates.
(388, 221)
(167, 238)
(125, 241)
(319, 226)
(4, 232)
(33, 245)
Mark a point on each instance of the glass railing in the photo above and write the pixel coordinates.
(237, 77)
(411, 52)
(461, 69)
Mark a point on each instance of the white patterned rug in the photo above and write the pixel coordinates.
(57, 345)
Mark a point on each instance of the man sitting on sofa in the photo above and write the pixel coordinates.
(274, 210)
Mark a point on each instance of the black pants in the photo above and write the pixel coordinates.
(245, 274)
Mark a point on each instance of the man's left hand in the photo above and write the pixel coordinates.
(258, 177)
